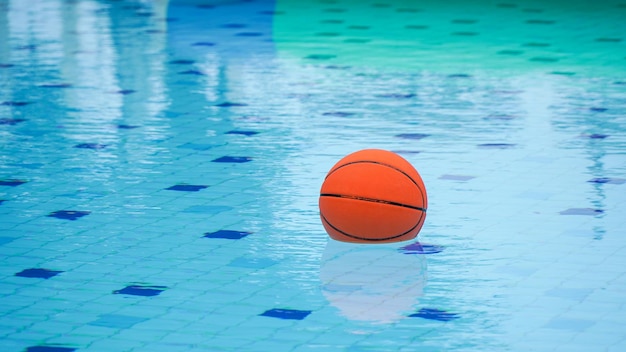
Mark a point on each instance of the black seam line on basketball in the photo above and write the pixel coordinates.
(423, 192)
(370, 239)
(366, 199)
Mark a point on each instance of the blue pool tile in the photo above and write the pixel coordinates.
(249, 34)
(245, 133)
(321, 56)
(227, 234)
(186, 188)
(595, 136)
(139, 290)
(94, 146)
(396, 96)
(252, 263)
(409, 152)
(496, 145)
(69, 214)
(577, 294)
(434, 314)
(192, 72)
(609, 180)
(581, 211)
(199, 146)
(291, 314)
(182, 62)
(127, 127)
(415, 136)
(421, 248)
(38, 273)
(208, 209)
(11, 182)
(459, 75)
(15, 103)
(10, 121)
(49, 348)
(578, 325)
(203, 44)
(4, 240)
(233, 25)
(2, 65)
(456, 177)
(2, 201)
(126, 91)
(117, 321)
(598, 109)
(338, 113)
(56, 85)
(232, 159)
(229, 104)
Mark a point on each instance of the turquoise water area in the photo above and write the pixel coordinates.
(160, 167)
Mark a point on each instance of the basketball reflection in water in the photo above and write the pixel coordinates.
(375, 283)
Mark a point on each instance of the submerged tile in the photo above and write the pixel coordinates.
(69, 214)
(11, 182)
(581, 211)
(421, 248)
(232, 159)
(38, 273)
(435, 314)
(49, 348)
(291, 314)
(186, 188)
(227, 234)
(140, 290)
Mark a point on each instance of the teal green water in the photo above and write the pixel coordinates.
(567, 37)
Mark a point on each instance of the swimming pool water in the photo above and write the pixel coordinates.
(160, 164)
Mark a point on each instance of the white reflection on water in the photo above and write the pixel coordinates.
(374, 283)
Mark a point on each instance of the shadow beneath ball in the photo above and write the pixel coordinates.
(372, 283)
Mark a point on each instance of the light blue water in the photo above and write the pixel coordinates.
(160, 165)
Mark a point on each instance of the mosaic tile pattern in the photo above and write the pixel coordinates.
(160, 163)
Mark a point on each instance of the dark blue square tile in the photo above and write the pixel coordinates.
(38, 273)
(609, 180)
(496, 145)
(186, 188)
(421, 248)
(396, 96)
(69, 214)
(192, 72)
(227, 234)
(2, 201)
(434, 314)
(49, 348)
(245, 133)
(232, 159)
(229, 104)
(581, 211)
(338, 113)
(11, 182)
(139, 290)
(126, 91)
(127, 127)
(416, 136)
(15, 103)
(94, 146)
(10, 121)
(181, 62)
(203, 44)
(291, 314)
(596, 109)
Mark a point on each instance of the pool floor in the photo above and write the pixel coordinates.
(161, 163)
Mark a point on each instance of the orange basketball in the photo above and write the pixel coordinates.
(373, 196)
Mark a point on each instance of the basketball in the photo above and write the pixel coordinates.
(373, 196)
